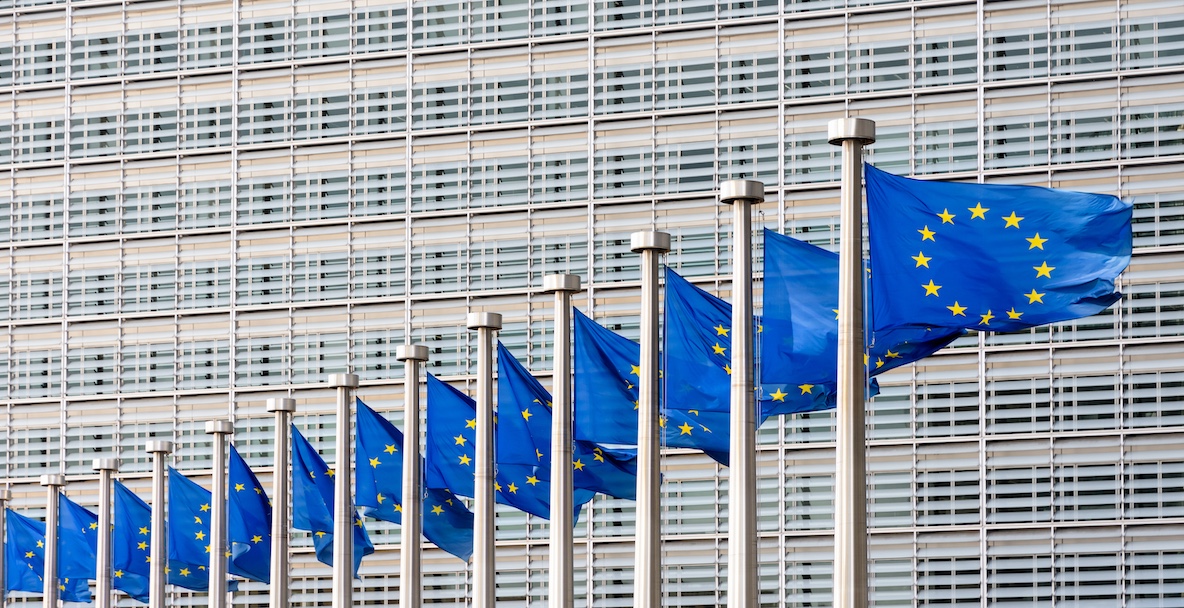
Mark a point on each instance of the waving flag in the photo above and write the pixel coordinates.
(130, 544)
(248, 523)
(312, 503)
(78, 540)
(189, 533)
(24, 556)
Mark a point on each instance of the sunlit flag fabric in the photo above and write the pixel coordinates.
(248, 522)
(450, 456)
(606, 397)
(24, 556)
(379, 469)
(78, 540)
(130, 544)
(524, 436)
(991, 257)
(799, 344)
(189, 533)
(313, 500)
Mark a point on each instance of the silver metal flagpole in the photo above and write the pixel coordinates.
(343, 510)
(851, 449)
(411, 545)
(483, 562)
(280, 500)
(5, 496)
(742, 537)
(647, 569)
(105, 467)
(158, 551)
(53, 484)
(561, 590)
(218, 572)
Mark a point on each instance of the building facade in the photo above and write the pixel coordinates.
(209, 203)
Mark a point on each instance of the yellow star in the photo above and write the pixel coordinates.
(471, 424)
(685, 429)
(143, 546)
(119, 574)
(931, 288)
(358, 523)
(1036, 242)
(892, 355)
(532, 480)
(238, 487)
(256, 539)
(398, 508)
(380, 498)
(836, 311)
(259, 491)
(578, 464)
(921, 260)
(927, 234)
(879, 363)
(390, 449)
(465, 459)
(1034, 297)
(144, 531)
(200, 535)
(460, 439)
(978, 211)
(437, 510)
(319, 533)
(512, 488)
(1044, 270)
(526, 414)
(635, 370)
(597, 455)
(497, 487)
(94, 526)
(196, 519)
(717, 349)
(959, 311)
(946, 216)
(29, 554)
(807, 389)
(720, 330)
(986, 319)
(205, 507)
(1013, 221)
(207, 548)
(866, 358)
(778, 395)
(728, 368)
(330, 472)
(184, 572)
(538, 453)
(374, 462)
(41, 544)
(1013, 315)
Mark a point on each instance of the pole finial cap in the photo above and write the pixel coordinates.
(649, 240)
(484, 320)
(53, 479)
(105, 464)
(737, 190)
(159, 446)
(344, 380)
(859, 129)
(561, 282)
(281, 404)
(411, 352)
(219, 427)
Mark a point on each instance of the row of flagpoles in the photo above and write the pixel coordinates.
(828, 361)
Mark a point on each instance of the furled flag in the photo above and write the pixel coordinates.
(189, 541)
(313, 501)
(248, 523)
(991, 257)
(606, 397)
(24, 556)
(799, 344)
(130, 544)
(450, 452)
(524, 436)
(446, 521)
(78, 540)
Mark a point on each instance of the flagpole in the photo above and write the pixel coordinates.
(560, 593)
(217, 593)
(5, 496)
(105, 467)
(742, 538)
(647, 558)
(280, 490)
(53, 484)
(158, 550)
(851, 578)
(343, 511)
(484, 593)
(411, 545)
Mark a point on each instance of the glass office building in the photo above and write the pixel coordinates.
(209, 203)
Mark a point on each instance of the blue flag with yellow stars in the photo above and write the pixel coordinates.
(130, 544)
(24, 556)
(313, 501)
(991, 257)
(248, 523)
(606, 397)
(189, 533)
(799, 344)
(524, 436)
(446, 521)
(451, 437)
(78, 540)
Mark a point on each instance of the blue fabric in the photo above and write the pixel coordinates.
(130, 544)
(78, 540)
(991, 257)
(379, 470)
(248, 522)
(24, 554)
(313, 501)
(189, 533)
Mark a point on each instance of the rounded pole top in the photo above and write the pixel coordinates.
(738, 190)
(561, 282)
(5, 495)
(649, 240)
(105, 464)
(219, 427)
(53, 480)
(159, 446)
(411, 352)
(484, 320)
(859, 129)
(344, 380)
(281, 404)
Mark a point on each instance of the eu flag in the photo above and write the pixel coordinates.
(799, 344)
(248, 522)
(189, 533)
(524, 436)
(78, 539)
(312, 503)
(24, 554)
(130, 544)
(446, 521)
(450, 452)
(991, 257)
(606, 397)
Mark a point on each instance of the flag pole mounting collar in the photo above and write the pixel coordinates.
(344, 381)
(105, 464)
(53, 479)
(281, 404)
(859, 129)
(219, 427)
(649, 240)
(411, 352)
(561, 282)
(483, 320)
(738, 190)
